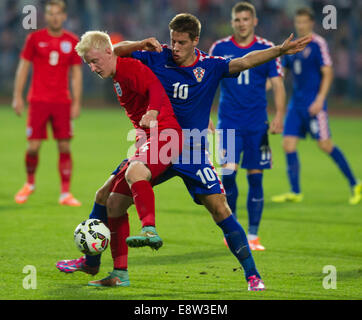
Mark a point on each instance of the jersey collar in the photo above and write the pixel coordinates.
(242, 47)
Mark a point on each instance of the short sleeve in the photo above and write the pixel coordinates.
(322, 53)
(275, 68)
(28, 51)
(75, 59)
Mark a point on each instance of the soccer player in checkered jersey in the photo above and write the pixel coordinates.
(50, 52)
(307, 110)
(243, 107)
(190, 78)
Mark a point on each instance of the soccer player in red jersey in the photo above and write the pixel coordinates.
(158, 142)
(50, 52)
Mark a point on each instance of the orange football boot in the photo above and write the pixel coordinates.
(256, 245)
(24, 193)
(69, 200)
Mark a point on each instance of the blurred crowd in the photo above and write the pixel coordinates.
(138, 19)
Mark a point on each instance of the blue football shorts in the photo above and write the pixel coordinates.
(299, 122)
(252, 146)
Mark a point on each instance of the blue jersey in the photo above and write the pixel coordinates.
(306, 69)
(191, 89)
(243, 100)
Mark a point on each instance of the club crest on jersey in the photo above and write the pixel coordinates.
(118, 89)
(199, 73)
(66, 46)
(306, 52)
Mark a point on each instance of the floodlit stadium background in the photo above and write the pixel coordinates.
(138, 19)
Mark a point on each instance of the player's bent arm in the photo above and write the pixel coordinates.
(278, 87)
(21, 76)
(327, 78)
(279, 93)
(258, 57)
(77, 88)
(125, 48)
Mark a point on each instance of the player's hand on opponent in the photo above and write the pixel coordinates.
(276, 125)
(75, 110)
(151, 44)
(18, 105)
(316, 106)
(149, 119)
(292, 47)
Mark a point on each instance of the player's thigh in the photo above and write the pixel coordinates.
(217, 205)
(61, 122)
(38, 117)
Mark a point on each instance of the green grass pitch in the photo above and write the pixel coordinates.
(301, 239)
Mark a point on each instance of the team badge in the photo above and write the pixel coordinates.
(306, 52)
(66, 46)
(199, 73)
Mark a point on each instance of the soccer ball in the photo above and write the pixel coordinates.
(92, 237)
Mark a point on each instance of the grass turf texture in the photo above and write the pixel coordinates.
(193, 263)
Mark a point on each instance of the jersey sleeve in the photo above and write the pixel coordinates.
(322, 53)
(144, 56)
(275, 68)
(225, 66)
(28, 51)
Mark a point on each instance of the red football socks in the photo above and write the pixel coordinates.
(144, 200)
(31, 163)
(119, 228)
(65, 171)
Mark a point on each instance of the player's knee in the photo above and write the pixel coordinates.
(326, 146)
(64, 146)
(221, 211)
(137, 171)
(288, 146)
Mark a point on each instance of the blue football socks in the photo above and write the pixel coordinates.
(238, 245)
(339, 158)
(293, 169)
(98, 212)
(228, 179)
(255, 202)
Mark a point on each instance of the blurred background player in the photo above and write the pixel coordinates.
(307, 110)
(243, 107)
(51, 53)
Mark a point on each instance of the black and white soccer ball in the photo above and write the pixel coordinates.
(92, 237)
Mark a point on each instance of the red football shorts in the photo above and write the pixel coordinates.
(40, 113)
(157, 153)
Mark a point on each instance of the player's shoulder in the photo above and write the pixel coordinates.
(209, 59)
(220, 42)
(262, 42)
(319, 41)
(36, 34)
(70, 35)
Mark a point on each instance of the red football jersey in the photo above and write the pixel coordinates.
(51, 58)
(139, 90)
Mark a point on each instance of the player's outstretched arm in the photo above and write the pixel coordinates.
(125, 48)
(258, 57)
